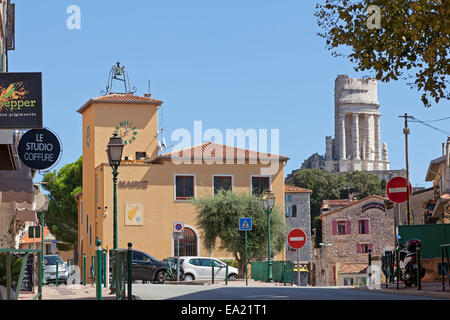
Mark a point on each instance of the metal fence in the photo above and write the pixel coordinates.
(259, 271)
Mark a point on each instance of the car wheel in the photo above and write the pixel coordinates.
(161, 277)
(233, 276)
(188, 277)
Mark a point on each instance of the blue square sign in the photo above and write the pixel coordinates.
(245, 224)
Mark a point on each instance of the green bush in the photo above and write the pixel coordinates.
(231, 262)
(16, 264)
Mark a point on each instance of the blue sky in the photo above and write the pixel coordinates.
(232, 64)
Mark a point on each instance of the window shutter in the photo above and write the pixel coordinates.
(371, 248)
(359, 226)
(334, 227)
(347, 228)
(358, 248)
(367, 226)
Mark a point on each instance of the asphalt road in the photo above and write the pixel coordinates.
(212, 292)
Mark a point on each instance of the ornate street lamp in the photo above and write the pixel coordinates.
(114, 151)
(268, 202)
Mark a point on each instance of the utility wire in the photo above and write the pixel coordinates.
(424, 123)
(437, 120)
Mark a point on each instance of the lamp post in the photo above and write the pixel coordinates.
(325, 245)
(114, 151)
(268, 202)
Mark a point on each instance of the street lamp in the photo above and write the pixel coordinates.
(268, 202)
(114, 151)
(325, 245)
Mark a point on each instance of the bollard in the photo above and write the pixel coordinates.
(104, 267)
(284, 272)
(370, 265)
(98, 276)
(107, 268)
(212, 270)
(226, 274)
(419, 271)
(84, 269)
(129, 267)
(57, 272)
(398, 267)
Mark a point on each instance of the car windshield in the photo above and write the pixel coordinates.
(51, 260)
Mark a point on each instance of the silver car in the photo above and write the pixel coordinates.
(199, 268)
(50, 262)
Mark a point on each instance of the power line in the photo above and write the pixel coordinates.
(437, 120)
(437, 129)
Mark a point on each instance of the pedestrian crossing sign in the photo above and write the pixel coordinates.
(245, 224)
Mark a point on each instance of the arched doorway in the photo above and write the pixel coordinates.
(187, 245)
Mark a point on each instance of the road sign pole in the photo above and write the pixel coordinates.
(246, 260)
(298, 266)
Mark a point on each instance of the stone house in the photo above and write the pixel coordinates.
(350, 232)
(298, 216)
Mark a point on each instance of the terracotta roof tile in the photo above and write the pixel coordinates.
(213, 151)
(294, 189)
(353, 267)
(124, 98)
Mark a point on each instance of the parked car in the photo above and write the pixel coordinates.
(144, 267)
(50, 262)
(172, 268)
(199, 268)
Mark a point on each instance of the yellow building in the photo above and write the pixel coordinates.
(154, 190)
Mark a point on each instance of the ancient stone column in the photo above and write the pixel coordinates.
(342, 146)
(377, 137)
(371, 136)
(355, 135)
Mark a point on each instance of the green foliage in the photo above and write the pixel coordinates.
(317, 225)
(413, 40)
(218, 218)
(62, 215)
(231, 262)
(329, 186)
(16, 264)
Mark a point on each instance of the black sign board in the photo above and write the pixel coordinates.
(371, 205)
(20, 100)
(39, 149)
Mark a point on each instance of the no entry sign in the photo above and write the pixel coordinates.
(296, 238)
(396, 189)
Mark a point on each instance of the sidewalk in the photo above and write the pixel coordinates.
(71, 292)
(429, 289)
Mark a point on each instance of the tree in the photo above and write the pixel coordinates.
(62, 215)
(329, 186)
(391, 38)
(218, 218)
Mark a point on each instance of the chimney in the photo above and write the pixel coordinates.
(147, 95)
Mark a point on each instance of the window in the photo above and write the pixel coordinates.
(90, 235)
(205, 262)
(260, 185)
(288, 211)
(195, 262)
(294, 211)
(341, 227)
(188, 244)
(222, 182)
(184, 187)
(364, 247)
(87, 223)
(81, 211)
(364, 226)
(288, 197)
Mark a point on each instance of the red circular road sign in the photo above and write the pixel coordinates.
(396, 189)
(296, 238)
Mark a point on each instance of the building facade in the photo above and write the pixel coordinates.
(349, 233)
(298, 216)
(154, 189)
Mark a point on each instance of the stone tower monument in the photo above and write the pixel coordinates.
(357, 144)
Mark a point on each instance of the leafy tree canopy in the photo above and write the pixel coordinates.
(410, 40)
(218, 218)
(62, 215)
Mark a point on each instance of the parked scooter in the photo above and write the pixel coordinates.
(408, 262)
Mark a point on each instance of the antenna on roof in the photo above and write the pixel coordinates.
(148, 95)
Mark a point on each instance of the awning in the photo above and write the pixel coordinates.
(18, 180)
(24, 212)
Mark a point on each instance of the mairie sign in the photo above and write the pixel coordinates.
(245, 224)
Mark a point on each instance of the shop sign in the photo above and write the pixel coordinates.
(372, 205)
(20, 100)
(39, 149)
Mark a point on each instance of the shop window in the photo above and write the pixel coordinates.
(222, 182)
(184, 187)
(260, 185)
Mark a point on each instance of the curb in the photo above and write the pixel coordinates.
(444, 295)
